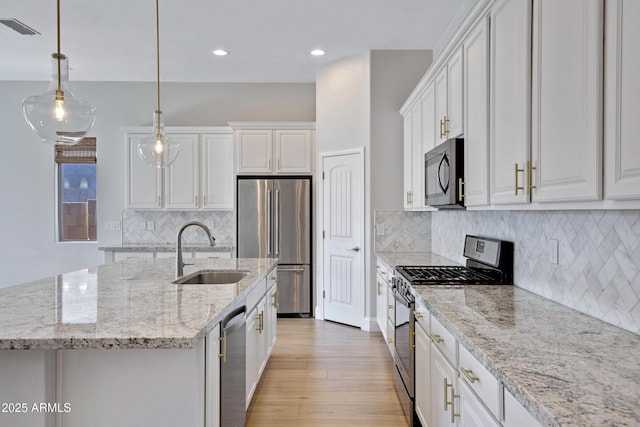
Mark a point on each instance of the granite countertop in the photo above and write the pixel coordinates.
(167, 247)
(565, 367)
(129, 304)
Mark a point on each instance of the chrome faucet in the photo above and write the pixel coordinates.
(179, 264)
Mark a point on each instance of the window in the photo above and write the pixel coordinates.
(77, 197)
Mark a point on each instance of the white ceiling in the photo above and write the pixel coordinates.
(268, 40)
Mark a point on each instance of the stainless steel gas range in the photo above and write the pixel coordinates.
(489, 262)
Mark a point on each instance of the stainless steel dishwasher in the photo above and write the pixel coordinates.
(232, 369)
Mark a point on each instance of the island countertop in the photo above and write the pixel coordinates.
(129, 304)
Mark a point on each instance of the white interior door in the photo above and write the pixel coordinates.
(343, 257)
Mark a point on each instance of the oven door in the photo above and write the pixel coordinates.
(403, 339)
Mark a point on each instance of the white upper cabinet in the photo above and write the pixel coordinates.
(428, 121)
(510, 89)
(144, 183)
(201, 177)
(622, 100)
(182, 177)
(275, 151)
(413, 158)
(216, 177)
(292, 151)
(567, 100)
(476, 115)
(448, 98)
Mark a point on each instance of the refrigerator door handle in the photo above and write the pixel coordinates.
(268, 222)
(276, 224)
(293, 270)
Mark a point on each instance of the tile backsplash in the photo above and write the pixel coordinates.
(598, 269)
(402, 231)
(136, 226)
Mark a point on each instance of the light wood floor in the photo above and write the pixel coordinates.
(326, 374)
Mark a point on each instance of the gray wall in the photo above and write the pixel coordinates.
(27, 200)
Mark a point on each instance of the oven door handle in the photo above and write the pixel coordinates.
(401, 299)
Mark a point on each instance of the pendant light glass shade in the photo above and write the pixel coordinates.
(56, 116)
(157, 149)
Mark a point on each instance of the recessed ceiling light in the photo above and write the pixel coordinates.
(220, 52)
(318, 52)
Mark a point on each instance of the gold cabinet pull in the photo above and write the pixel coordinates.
(437, 338)
(389, 306)
(530, 169)
(223, 339)
(379, 289)
(469, 374)
(517, 171)
(454, 396)
(460, 188)
(196, 201)
(418, 315)
(441, 132)
(446, 126)
(275, 304)
(446, 397)
(412, 340)
(159, 201)
(390, 340)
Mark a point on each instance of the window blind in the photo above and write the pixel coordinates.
(82, 152)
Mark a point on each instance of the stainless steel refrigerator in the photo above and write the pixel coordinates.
(274, 221)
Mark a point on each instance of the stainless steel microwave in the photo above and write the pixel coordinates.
(444, 175)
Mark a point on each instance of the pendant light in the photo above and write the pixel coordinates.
(157, 149)
(57, 116)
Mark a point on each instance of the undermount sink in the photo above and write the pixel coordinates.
(213, 277)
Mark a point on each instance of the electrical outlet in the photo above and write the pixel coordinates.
(112, 225)
(151, 225)
(552, 251)
(143, 225)
(379, 229)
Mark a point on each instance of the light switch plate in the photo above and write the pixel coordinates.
(151, 225)
(112, 225)
(379, 229)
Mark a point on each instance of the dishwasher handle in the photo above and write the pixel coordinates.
(234, 320)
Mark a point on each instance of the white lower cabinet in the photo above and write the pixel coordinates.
(443, 386)
(515, 415)
(472, 411)
(261, 330)
(422, 375)
(212, 372)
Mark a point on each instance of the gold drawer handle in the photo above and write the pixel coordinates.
(530, 169)
(437, 338)
(224, 347)
(418, 315)
(469, 374)
(517, 171)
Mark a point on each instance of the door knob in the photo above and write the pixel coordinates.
(355, 249)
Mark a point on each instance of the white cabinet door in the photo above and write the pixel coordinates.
(440, 90)
(417, 158)
(212, 380)
(262, 346)
(422, 375)
(510, 88)
(271, 318)
(144, 183)
(251, 378)
(476, 115)
(407, 171)
(443, 386)
(622, 100)
(381, 306)
(455, 117)
(182, 185)
(255, 151)
(516, 415)
(428, 121)
(567, 100)
(217, 171)
(292, 151)
(472, 412)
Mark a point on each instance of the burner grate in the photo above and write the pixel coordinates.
(446, 275)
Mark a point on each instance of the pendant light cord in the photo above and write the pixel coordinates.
(59, 92)
(157, 49)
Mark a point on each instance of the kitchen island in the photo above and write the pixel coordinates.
(564, 367)
(119, 344)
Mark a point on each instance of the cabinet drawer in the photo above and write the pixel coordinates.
(422, 316)
(256, 294)
(444, 341)
(272, 278)
(480, 380)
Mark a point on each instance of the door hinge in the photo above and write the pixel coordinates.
(323, 175)
(323, 234)
(324, 294)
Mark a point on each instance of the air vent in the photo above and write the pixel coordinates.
(18, 26)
